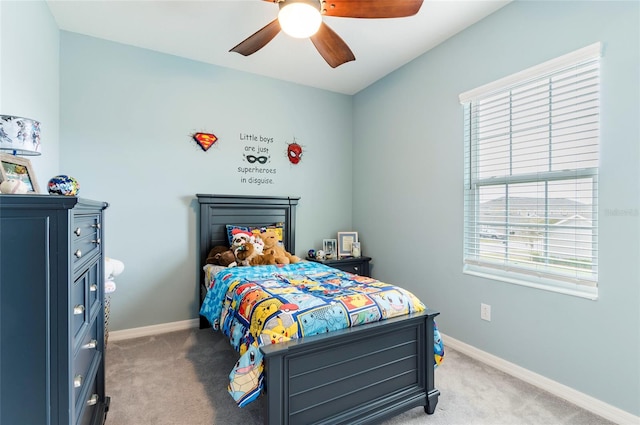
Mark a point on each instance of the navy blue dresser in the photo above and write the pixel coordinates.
(51, 311)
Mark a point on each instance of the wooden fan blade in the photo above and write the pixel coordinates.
(370, 8)
(259, 39)
(331, 47)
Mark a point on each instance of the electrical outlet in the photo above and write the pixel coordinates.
(485, 312)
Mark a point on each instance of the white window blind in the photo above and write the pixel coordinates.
(531, 176)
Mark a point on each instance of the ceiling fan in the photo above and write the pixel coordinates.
(329, 44)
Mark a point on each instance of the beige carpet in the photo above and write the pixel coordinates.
(180, 378)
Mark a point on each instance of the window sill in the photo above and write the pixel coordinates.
(588, 293)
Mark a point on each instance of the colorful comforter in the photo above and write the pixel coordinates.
(263, 305)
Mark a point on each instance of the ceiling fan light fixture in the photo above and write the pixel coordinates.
(300, 19)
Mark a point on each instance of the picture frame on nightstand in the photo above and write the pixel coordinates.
(330, 248)
(345, 241)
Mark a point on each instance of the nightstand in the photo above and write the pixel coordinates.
(355, 265)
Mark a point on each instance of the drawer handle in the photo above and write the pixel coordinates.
(96, 226)
(355, 268)
(77, 310)
(78, 253)
(91, 344)
(96, 241)
(77, 231)
(93, 400)
(77, 381)
(93, 287)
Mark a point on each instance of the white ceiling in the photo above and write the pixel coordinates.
(205, 30)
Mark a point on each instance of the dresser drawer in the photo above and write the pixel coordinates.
(88, 353)
(93, 288)
(85, 302)
(88, 406)
(86, 238)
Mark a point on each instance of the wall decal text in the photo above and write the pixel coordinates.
(256, 168)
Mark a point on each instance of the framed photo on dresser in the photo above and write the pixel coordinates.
(15, 167)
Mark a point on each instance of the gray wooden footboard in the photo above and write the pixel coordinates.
(358, 375)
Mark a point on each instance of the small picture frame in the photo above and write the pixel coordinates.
(15, 167)
(345, 240)
(330, 248)
(356, 250)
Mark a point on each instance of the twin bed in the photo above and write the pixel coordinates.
(358, 375)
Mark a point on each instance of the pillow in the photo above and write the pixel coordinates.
(256, 230)
(278, 228)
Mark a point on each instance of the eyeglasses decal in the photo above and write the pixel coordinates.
(260, 159)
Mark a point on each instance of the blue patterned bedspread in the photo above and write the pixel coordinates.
(263, 305)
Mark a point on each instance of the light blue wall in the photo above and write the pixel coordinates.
(127, 116)
(408, 183)
(29, 75)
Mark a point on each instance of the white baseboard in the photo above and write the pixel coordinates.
(582, 400)
(153, 330)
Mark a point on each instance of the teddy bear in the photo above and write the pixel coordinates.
(270, 239)
(248, 255)
(221, 256)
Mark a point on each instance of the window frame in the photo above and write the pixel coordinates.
(509, 270)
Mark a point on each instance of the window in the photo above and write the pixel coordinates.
(531, 176)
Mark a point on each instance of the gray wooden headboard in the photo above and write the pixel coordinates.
(216, 211)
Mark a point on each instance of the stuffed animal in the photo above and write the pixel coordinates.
(13, 186)
(269, 257)
(243, 253)
(221, 256)
(240, 237)
(112, 268)
(270, 239)
(248, 255)
(258, 244)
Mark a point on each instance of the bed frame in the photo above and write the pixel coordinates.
(359, 375)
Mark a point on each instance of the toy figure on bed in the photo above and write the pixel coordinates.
(249, 254)
(241, 237)
(221, 256)
(270, 240)
(257, 306)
